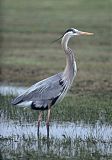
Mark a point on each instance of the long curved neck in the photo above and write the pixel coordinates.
(64, 42)
(70, 69)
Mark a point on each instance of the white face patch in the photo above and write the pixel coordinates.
(76, 30)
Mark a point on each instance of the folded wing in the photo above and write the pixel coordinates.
(46, 89)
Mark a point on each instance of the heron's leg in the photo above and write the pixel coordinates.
(39, 120)
(47, 122)
(48, 117)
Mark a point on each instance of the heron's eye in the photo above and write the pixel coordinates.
(74, 31)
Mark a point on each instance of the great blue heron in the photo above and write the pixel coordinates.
(44, 94)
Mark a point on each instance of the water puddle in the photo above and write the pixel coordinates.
(65, 136)
(57, 130)
(11, 90)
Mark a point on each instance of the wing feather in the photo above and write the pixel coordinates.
(44, 90)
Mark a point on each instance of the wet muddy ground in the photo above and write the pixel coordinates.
(81, 125)
(74, 132)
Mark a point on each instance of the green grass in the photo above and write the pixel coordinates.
(26, 16)
(28, 28)
(88, 109)
(27, 56)
(81, 150)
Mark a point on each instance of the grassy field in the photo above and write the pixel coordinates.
(28, 28)
(28, 55)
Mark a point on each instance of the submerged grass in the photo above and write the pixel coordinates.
(65, 148)
(86, 108)
(27, 29)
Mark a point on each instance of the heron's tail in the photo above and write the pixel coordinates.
(17, 100)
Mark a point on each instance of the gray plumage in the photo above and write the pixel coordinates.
(43, 92)
(47, 92)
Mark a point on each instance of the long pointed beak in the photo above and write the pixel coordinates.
(85, 33)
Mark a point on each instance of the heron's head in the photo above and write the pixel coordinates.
(71, 32)
(74, 32)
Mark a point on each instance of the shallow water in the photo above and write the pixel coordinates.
(57, 130)
(16, 134)
(6, 90)
(66, 139)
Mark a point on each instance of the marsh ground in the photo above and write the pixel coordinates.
(27, 56)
